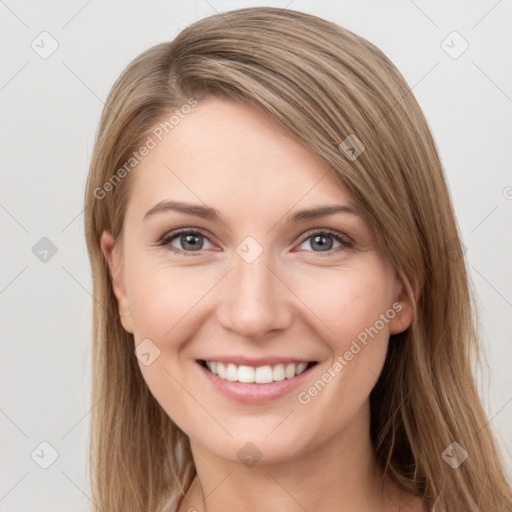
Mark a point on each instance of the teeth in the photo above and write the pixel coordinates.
(300, 368)
(221, 370)
(260, 375)
(231, 372)
(290, 371)
(263, 375)
(245, 374)
(278, 372)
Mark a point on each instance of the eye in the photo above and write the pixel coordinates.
(190, 240)
(323, 240)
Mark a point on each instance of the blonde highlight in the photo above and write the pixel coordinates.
(320, 83)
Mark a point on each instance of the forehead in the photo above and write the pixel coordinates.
(236, 159)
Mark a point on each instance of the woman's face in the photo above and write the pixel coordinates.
(257, 288)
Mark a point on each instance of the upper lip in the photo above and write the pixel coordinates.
(256, 362)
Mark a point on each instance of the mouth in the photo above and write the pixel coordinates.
(256, 375)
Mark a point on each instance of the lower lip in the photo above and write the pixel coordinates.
(255, 393)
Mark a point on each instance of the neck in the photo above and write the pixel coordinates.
(342, 474)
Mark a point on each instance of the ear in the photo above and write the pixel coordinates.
(403, 305)
(110, 251)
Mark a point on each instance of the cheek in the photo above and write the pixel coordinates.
(352, 314)
(346, 304)
(336, 307)
(164, 303)
(350, 311)
(342, 304)
(163, 298)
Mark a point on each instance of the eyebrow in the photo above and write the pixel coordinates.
(208, 213)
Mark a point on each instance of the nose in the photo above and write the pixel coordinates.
(255, 299)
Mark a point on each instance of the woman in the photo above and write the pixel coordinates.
(315, 352)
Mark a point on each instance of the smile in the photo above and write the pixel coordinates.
(259, 375)
(255, 381)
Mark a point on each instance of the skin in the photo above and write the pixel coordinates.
(293, 300)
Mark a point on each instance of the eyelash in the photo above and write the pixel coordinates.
(339, 237)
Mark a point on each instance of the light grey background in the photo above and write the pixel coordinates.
(50, 108)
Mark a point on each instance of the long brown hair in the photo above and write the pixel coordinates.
(322, 84)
